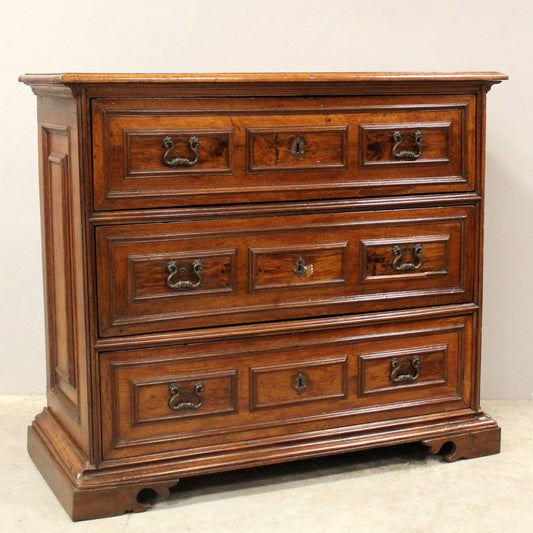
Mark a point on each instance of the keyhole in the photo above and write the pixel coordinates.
(300, 382)
(298, 147)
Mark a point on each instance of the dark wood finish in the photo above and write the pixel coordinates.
(259, 373)
(466, 445)
(142, 151)
(245, 148)
(336, 301)
(82, 503)
(62, 213)
(249, 268)
(273, 148)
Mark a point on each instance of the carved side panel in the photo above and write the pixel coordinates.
(65, 289)
(58, 204)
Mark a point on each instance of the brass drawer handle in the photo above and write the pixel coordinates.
(176, 271)
(406, 154)
(300, 382)
(395, 375)
(397, 264)
(174, 402)
(168, 143)
(301, 268)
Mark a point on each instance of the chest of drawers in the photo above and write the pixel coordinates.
(248, 269)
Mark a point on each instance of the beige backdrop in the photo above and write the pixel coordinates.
(275, 35)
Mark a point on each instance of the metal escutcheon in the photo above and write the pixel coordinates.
(298, 147)
(395, 375)
(300, 382)
(175, 391)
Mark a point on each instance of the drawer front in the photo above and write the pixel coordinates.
(173, 152)
(185, 398)
(275, 385)
(281, 148)
(173, 276)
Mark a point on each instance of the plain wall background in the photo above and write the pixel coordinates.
(275, 35)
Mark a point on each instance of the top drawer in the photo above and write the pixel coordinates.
(183, 151)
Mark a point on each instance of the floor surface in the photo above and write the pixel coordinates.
(396, 489)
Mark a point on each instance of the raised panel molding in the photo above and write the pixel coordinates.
(273, 386)
(143, 152)
(57, 181)
(273, 268)
(374, 137)
(271, 149)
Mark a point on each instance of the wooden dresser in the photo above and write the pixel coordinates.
(247, 269)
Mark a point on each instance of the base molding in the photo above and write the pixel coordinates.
(87, 503)
(112, 489)
(466, 445)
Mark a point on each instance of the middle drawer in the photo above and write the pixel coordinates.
(198, 273)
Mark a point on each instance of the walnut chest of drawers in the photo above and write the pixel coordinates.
(249, 269)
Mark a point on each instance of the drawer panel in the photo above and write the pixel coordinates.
(156, 398)
(408, 144)
(275, 385)
(271, 149)
(181, 270)
(157, 277)
(186, 397)
(174, 152)
(398, 369)
(197, 151)
(296, 266)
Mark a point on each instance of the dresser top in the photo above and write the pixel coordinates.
(274, 77)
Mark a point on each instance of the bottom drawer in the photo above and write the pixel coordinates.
(186, 398)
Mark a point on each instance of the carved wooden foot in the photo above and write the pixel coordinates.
(114, 501)
(85, 498)
(466, 445)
